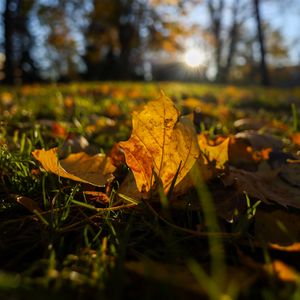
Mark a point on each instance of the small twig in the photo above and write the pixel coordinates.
(114, 208)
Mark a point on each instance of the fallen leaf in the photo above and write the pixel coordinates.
(217, 154)
(294, 247)
(259, 141)
(161, 143)
(69, 102)
(264, 154)
(113, 111)
(273, 126)
(117, 155)
(240, 154)
(296, 138)
(95, 170)
(277, 267)
(58, 130)
(282, 271)
(248, 124)
(290, 173)
(264, 185)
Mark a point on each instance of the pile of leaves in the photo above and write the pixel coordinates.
(181, 204)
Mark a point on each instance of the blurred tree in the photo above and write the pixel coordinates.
(216, 11)
(238, 47)
(265, 80)
(247, 68)
(233, 38)
(18, 41)
(110, 36)
(121, 32)
(277, 50)
(8, 42)
(62, 22)
(226, 22)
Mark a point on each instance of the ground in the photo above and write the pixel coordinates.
(232, 232)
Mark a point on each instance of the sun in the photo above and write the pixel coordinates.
(193, 57)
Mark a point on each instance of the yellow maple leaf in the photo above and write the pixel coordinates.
(160, 143)
(217, 154)
(95, 170)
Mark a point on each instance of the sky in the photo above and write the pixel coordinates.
(287, 20)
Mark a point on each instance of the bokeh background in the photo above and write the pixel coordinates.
(225, 41)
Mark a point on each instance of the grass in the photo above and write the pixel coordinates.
(58, 242)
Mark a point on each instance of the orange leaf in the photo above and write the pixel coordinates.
(160, 143)
(69, 102)
(295, 247)
(296, 138)
(282, 271)
(58, 130)
(95, 170)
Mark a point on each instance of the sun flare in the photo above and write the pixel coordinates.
(193, 57)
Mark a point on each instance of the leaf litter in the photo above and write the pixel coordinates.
(163, 144)
(162, 152)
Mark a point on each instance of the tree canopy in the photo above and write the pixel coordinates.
(117, 39)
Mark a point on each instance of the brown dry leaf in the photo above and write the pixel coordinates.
(273, 126)
(259, 141)
(161, 143)
(265, 185)
(95, 170)
(240, 154)
(249, 124)
(216, 154)
(282, 271)
(290, 173)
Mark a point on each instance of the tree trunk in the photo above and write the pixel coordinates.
(125, 35)
(8, 43)
(233, 36)
(265, 80)
(216, 15)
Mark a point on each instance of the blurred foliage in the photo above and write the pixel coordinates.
(116, 40)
